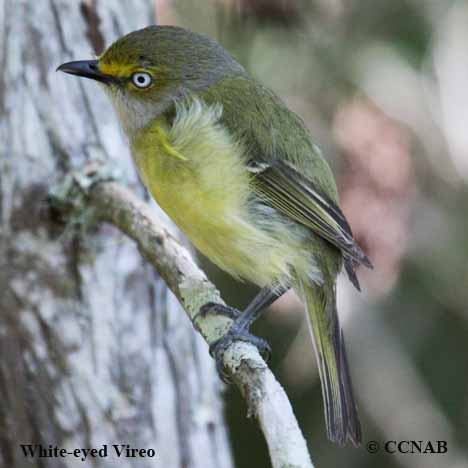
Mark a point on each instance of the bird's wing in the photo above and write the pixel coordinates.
(273, 137)
(295, 195)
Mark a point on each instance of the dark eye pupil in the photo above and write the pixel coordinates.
(141, 80)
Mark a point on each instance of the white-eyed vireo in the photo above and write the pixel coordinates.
(239, 174)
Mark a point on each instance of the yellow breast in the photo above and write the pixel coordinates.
(195, 172)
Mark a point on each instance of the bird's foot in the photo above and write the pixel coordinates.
(236, 333)
(212, 308)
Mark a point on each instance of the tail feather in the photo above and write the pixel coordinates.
(352, 418)
(349, 267)
(339, 405)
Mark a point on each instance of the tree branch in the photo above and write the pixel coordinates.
(115, 204)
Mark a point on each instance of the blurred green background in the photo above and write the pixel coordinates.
(383, 86)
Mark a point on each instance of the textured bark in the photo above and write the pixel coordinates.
(94, 349)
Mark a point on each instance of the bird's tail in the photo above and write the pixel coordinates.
(340, 408)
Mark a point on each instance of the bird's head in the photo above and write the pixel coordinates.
(145, 71)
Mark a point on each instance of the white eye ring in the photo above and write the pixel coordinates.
(141, 79)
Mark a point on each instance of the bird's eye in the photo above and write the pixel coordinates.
(141, 79)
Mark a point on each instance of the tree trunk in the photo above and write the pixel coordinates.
(94, 350)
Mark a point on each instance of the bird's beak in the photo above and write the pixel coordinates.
(87, 69)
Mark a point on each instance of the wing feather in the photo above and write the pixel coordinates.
(295, 195)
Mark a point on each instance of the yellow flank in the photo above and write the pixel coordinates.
(195, 172)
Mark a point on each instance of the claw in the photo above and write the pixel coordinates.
(212, 308)
(235, 333)
(218, 348)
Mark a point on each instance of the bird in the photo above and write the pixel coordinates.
(241, 176)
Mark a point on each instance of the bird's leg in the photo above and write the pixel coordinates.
(252, 312)
(239, 330)
(257, 306)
